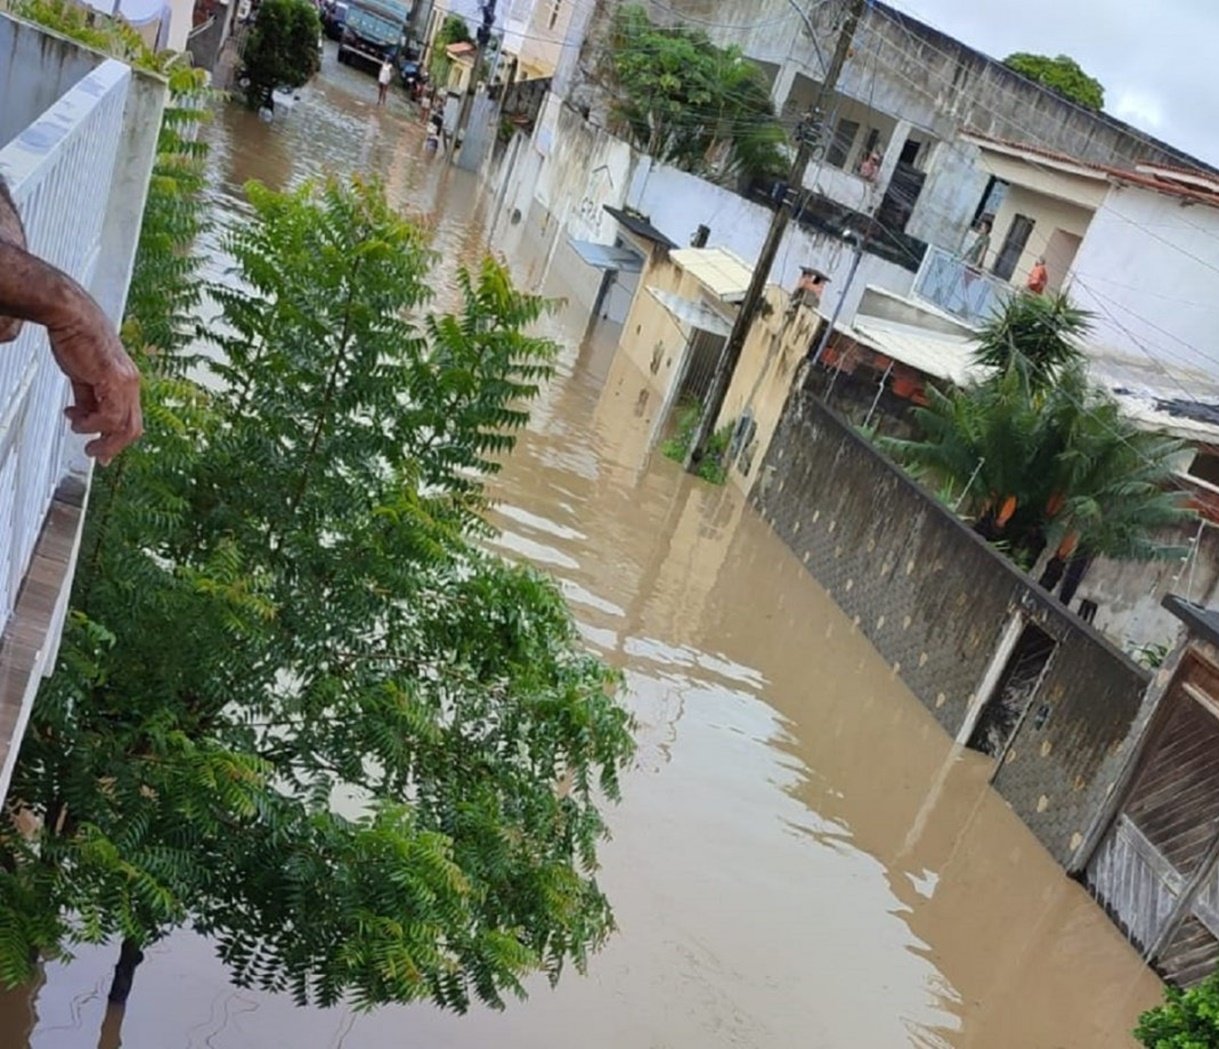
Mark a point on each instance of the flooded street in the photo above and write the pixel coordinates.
(801, 859)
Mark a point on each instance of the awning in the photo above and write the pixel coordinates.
(607, 256)
(639, 225)
(932, 353)
(718, 269)
(693, 314)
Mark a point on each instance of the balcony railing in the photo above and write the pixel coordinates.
(970, 294)
(78, 140)
(57, 169)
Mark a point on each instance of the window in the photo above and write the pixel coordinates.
(555, 6)
(871, 142)
(1018, 234)
(840, 145)
(992, 200)
(910, 152)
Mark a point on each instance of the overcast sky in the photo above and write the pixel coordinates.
(1157, 60)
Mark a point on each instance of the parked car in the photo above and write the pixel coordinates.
(334, 18)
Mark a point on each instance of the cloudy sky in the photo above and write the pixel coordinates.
(1156, 60)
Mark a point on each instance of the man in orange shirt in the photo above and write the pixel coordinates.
(1038, 278)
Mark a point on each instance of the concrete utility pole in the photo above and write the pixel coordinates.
(482, 38)
(810, 133)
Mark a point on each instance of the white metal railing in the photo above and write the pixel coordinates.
(59, 171)
(947, 281)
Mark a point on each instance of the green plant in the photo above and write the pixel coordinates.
(1046, 461)
(1152, 656)
(711, 467)
(1039, 333)
(685, 422)
(1062, 75)
(1186, 1019)
(453, 30)
(298, 708)
(689, 103)
(281, 50)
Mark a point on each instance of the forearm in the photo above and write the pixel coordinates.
(33, 290)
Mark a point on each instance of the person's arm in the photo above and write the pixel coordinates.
(105, 382)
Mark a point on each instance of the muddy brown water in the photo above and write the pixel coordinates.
(801, 858)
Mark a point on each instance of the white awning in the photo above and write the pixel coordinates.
(607, 256)
(690, 313)
(933, 353)
(718, 269)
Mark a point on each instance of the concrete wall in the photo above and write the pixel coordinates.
(36, 68)
(770, 359)
(574, 168)
(1147, 270)
(935, 600)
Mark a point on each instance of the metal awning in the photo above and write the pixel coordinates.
(933, 353)
(607, 256)
(690, 313)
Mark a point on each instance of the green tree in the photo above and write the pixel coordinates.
(1062, 75)
(1186, 1019)
(453, 30)
(298, 708)
(689, 103)
(281, 50)
(1042, 460)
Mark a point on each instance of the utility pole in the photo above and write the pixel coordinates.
(809, 132)
(482, 38)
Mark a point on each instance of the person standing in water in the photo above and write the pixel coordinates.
(383, 79)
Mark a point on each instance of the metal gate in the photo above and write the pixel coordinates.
(1155, 870)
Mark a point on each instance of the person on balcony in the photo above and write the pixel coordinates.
(975, 254)
(1039, 277)
(86, 347)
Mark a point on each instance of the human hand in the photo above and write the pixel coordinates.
(105, 381)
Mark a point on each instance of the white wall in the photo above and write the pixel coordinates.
(1149, 271)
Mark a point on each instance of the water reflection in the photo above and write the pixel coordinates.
(801, 857)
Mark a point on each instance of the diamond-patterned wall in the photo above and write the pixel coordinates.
(934, 600)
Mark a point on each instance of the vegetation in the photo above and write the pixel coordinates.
(711, 468)
(453, 30)
(281, 50)
(1061, 74)
(1047, 464)
(685, 101)
(1186, 1019)
(297, 708)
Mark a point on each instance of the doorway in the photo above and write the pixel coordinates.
(1013, 693)
(1014, 243)
(1155, 870)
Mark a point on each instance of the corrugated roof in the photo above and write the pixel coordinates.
(932, 353)
(723, 272)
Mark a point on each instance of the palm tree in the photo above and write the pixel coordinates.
(1040, 331)
(1044, 462)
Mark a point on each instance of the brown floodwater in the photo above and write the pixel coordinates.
(801, 857)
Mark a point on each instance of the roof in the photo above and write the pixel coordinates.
(640, 225)
(1191, 184)
(932, 353)
(1201, 622)
(606, 256)
(1181, 402)
(461, 50)
(718, 268)
(690, 313)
